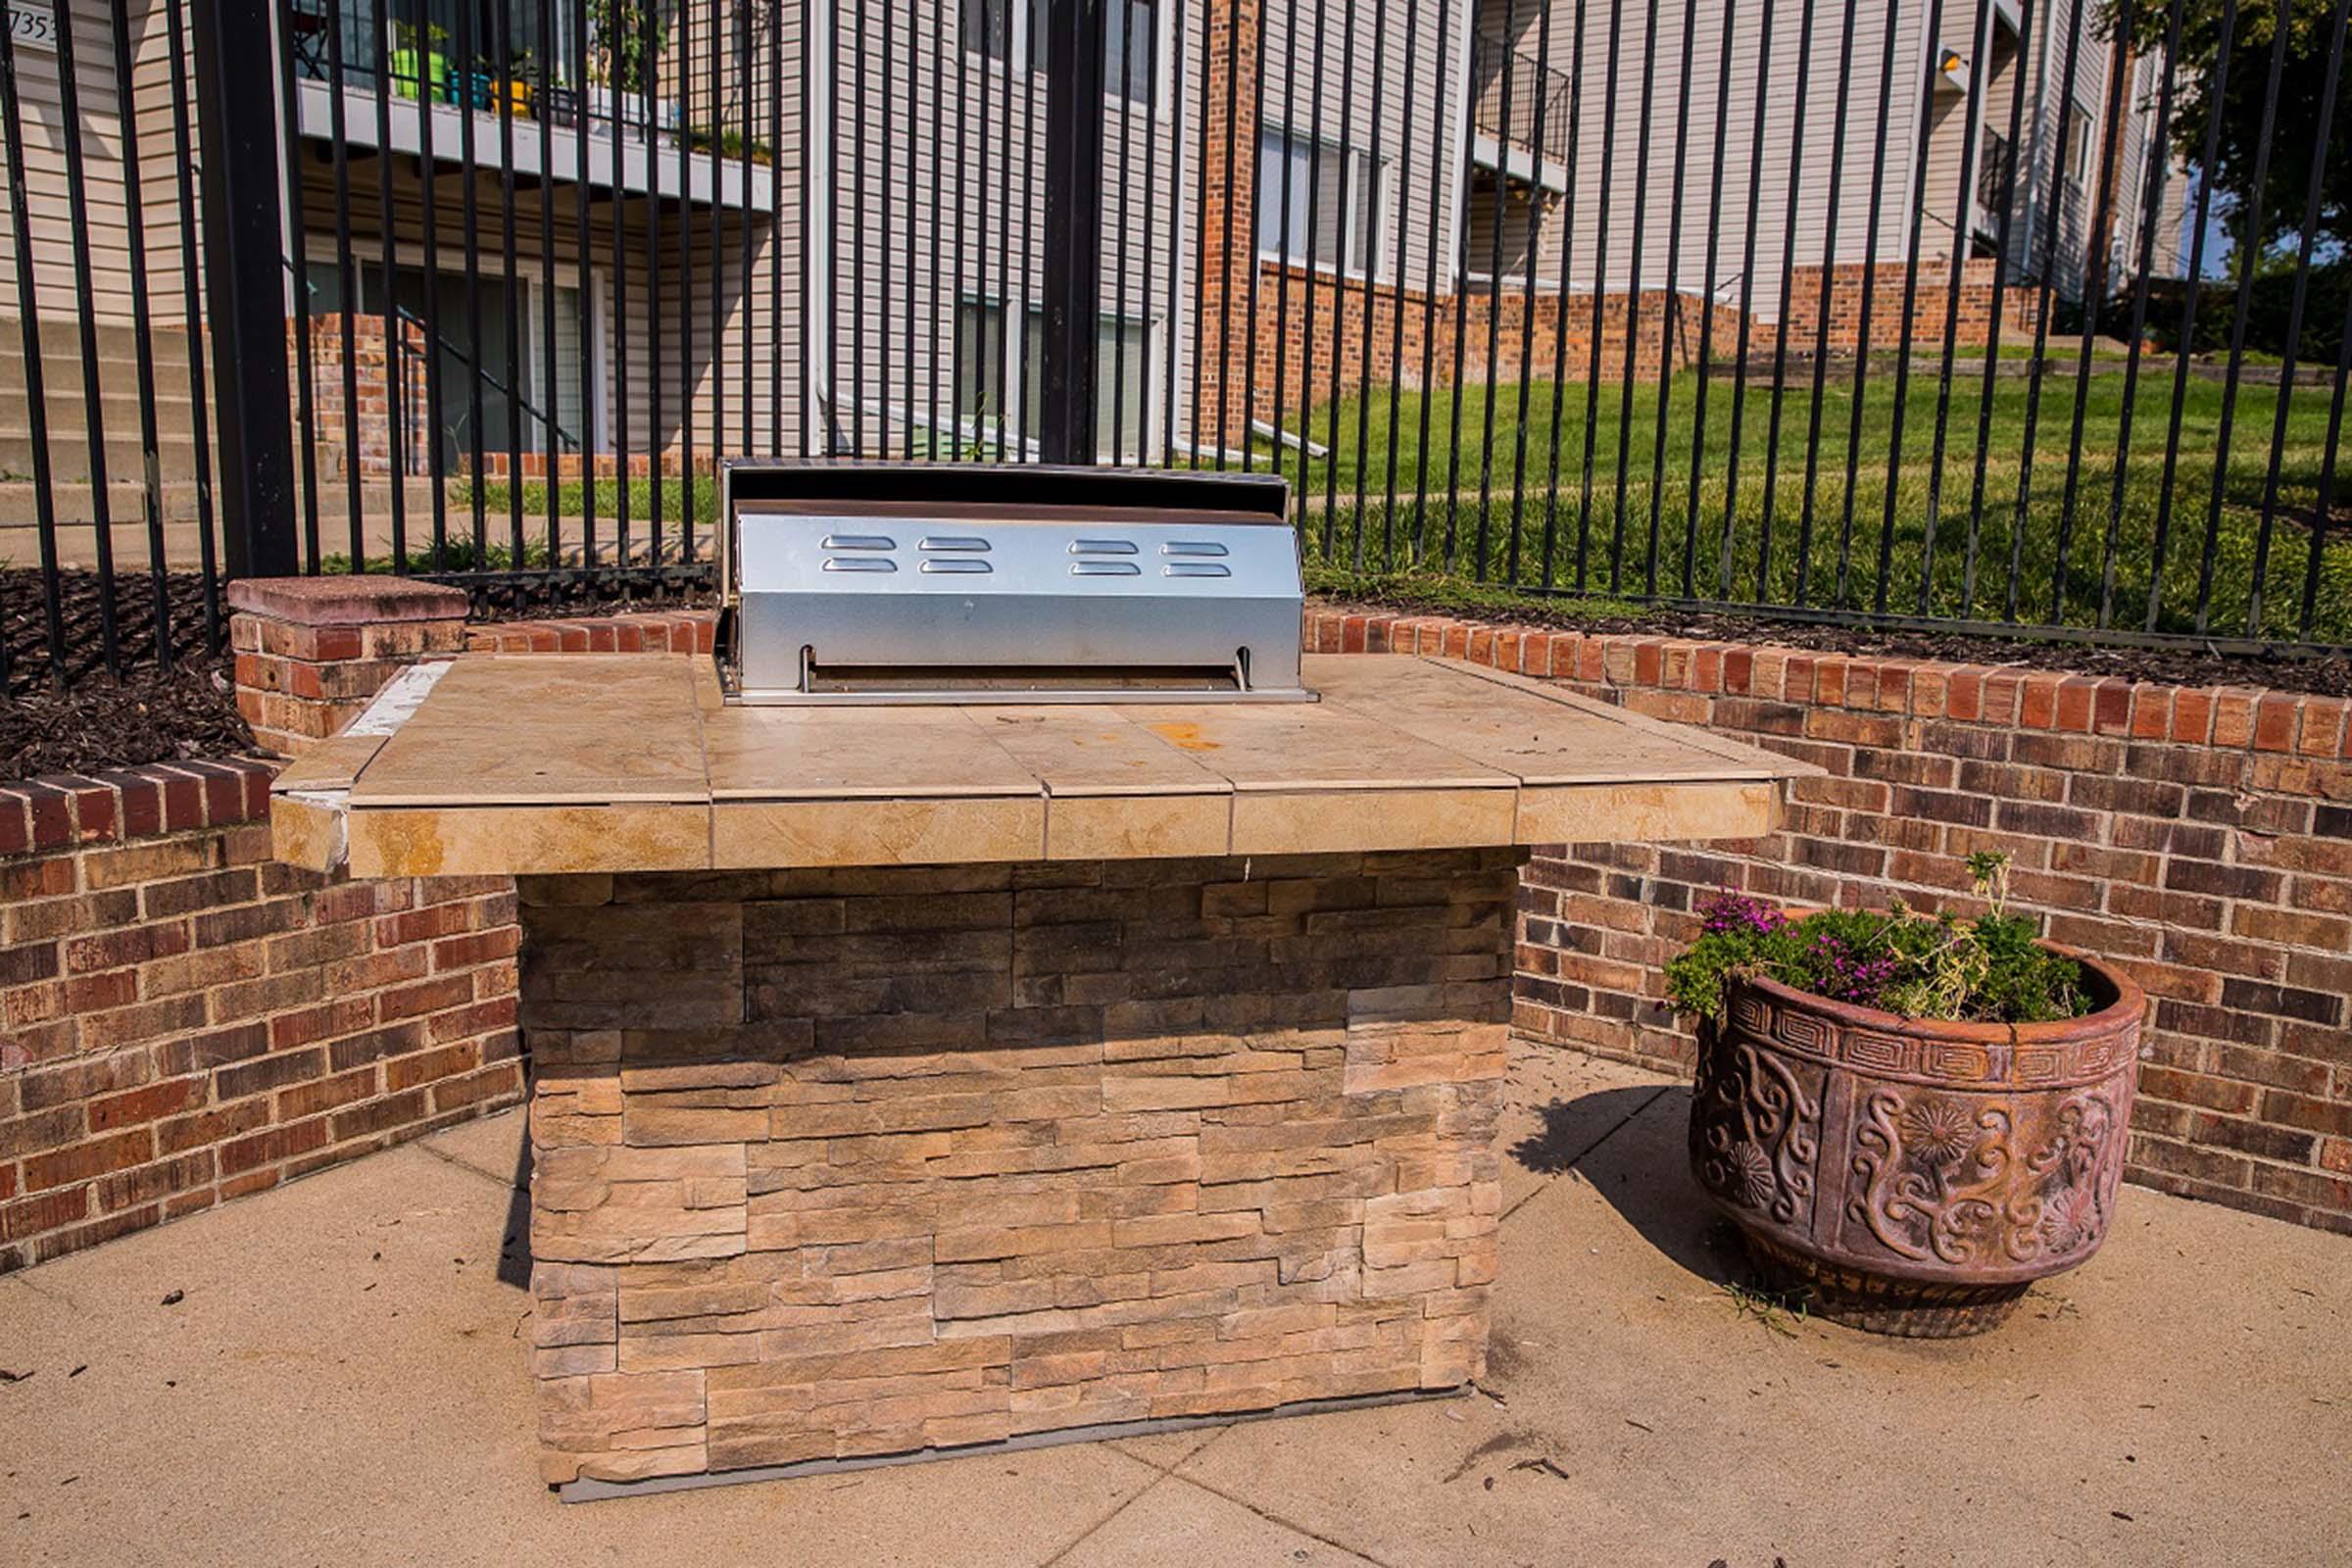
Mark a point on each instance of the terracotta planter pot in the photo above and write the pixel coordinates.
(1916, 1175)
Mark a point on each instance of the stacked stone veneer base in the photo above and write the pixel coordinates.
(845, 1163)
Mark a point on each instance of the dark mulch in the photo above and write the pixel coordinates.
(148, 713)
(2327, 677)
(594, 595)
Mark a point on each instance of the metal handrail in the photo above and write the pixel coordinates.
(1531, 82)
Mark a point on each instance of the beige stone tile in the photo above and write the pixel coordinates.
(328, 765)
(1090, 749)
(1323, 821)
(1668, 813)
(530, 729)
(1121, 828)
(800, 754)
(535, 840)
(1299, 746)
(1537, 734)
(1754, 757)
(308, 832)
(870, 831)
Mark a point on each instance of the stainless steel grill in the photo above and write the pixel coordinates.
(974, 584)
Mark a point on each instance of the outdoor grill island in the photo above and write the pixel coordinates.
(1009, 994)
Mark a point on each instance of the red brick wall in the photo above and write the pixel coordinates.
(1408, 323)
(386, 446)
(184, 1020)
(1930, 305)
(2199, 838)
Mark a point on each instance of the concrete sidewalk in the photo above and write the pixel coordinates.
(344, 1382)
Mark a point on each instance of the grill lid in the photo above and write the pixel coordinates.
(977, 583)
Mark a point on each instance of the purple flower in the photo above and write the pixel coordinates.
(1737, 911)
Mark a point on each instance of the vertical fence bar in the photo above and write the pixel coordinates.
(1119, 281)
(2207, 160)
(1376, 210)
(1178, 53)
(1231, 12)
(1282, 275)
(656, 439)
(469, 84)
(288, 165)
(1073, 229)
(1151, 68)
(584, 302)
(2151, 213)
(1963, 200)
(623, 394)
(36, 396)
(1917, 201)
(937, 106)
(2042, 316)
(1429, 286)
(191, 310)
(1820, 310)
(551, 438)
(1779, 336)
(1396, 281)
(1992, 334)
(2095, 288)
(151, 489)
(883, 214)
(1633, 293)
(1526, 308)
(979, 336)
(1341, 235)
(1870, 292)
(1314, 192)
(746, 81)
(93, 401)
(1706, 320)
(436, 456)
(1257, 173)
(2250, 247)
(346, 284)
(1597, 318)
(1674, 300)
(684, 134)
(856, 235)
(396, 412)
(1748, 309)
(1567, 266)
(776, 219)
(501, 84)
(1014, 318)
(915, 99)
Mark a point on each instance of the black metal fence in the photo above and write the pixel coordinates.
(2028, 317)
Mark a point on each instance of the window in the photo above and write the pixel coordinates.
(997, 29)
(986, 27)
(1314, 174)
(980, 331)
(2077, 148)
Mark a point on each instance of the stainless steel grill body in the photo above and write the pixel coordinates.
(850, 583)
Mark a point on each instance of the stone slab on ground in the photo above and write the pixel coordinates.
(336, 1386)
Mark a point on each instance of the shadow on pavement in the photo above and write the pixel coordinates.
(1627, 1145)
(514, 1247)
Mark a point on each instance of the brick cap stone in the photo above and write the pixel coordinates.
(346, 601)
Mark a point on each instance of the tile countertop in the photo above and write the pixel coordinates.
(585, 762)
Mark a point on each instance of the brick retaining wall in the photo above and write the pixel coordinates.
(2199, 838)
(184, 1020)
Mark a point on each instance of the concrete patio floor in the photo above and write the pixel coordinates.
(344, 1382)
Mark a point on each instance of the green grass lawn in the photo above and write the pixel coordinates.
(1576, 532)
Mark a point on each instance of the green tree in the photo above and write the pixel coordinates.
(2295, 144)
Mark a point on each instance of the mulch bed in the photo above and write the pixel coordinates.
(187, 708)
(2326, 678)
(149, 714)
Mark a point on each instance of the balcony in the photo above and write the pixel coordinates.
(1513, 94)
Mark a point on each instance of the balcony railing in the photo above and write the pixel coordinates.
(1993, 177)
(1513, 92)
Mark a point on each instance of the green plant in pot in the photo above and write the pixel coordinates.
(420, 67)
(1911, 1118)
